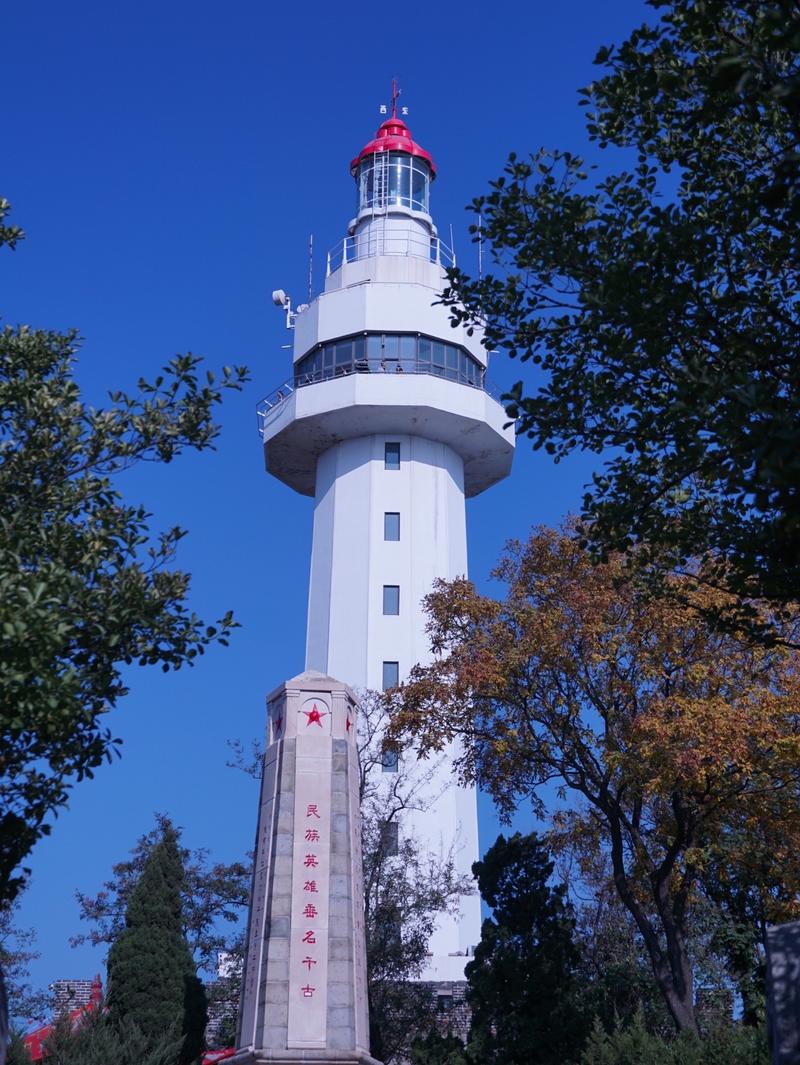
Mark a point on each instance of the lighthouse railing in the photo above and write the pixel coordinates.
(369, 243)
(271, 405)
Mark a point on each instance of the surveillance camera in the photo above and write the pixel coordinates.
(279, 297)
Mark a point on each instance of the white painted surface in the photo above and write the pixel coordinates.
(384, 294)
(327, 440)
(350, 637)
(315, 417)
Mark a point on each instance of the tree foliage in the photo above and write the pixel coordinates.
(85, 589)
(96, 1041)
(659, 731)
(524, 990)
(152, 981)
(436, 1049)
(659, 302)
(633, 1044)
(214, 898)
(17, 951)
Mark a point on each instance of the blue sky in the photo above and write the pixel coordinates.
(168, 162)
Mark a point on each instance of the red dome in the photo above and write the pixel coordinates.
(393, 136)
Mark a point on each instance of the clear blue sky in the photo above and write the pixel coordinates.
(168, 162)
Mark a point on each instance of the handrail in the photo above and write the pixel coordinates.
(369, 243)
(275, 399)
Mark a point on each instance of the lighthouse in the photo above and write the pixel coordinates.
(388, 424)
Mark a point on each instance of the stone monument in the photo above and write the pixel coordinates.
(783, 992)
(304, 987)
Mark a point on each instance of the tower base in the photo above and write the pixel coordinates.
(301, 1057)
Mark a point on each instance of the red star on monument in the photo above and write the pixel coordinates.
(315, 716)
(278, 723)
(349, 724)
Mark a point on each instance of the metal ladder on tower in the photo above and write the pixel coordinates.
(380, 198)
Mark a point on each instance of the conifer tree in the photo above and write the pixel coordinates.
(151, 975)
(525, 1000)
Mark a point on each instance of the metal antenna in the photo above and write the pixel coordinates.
(480, 246)
(383, 109)
(310, 267)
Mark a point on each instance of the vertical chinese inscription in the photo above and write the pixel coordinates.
(308, 950)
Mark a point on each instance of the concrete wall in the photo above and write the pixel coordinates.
(349, 636)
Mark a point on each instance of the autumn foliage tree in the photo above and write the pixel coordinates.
(667, 739)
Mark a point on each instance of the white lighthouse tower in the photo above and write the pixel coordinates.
(387, 423)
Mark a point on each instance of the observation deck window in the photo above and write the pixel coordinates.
(388, 353)
(393, 179)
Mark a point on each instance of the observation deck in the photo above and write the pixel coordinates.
(304, 418)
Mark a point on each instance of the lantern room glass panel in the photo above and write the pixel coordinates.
(393, 179)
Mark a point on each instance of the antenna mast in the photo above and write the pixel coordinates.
(310, 267)
(480, 246)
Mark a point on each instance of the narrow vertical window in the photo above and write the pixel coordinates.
(391, 598)
(389, 761)
(391, 675)
(390, 838)
(391, 525)
(391, 456)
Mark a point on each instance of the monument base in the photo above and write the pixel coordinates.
(298, 1057)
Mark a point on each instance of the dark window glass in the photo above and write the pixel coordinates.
(419, 190)
(391, 457)
(389, 761)
(391, 675)
(390, 838)
(391, 525)
(391, 598)
(388, 353)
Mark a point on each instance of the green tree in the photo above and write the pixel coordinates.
(17, 951)
(632, 1044)
(523, 990)
(95, 1041)
(85, 589)
(214, 898)
(659, 303)
(152, 981)
(436, 1049)
(17, 1053)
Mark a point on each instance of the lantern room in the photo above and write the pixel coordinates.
(392, 172)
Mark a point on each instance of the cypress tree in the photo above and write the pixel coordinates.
(525, 1000)
(151, 974)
